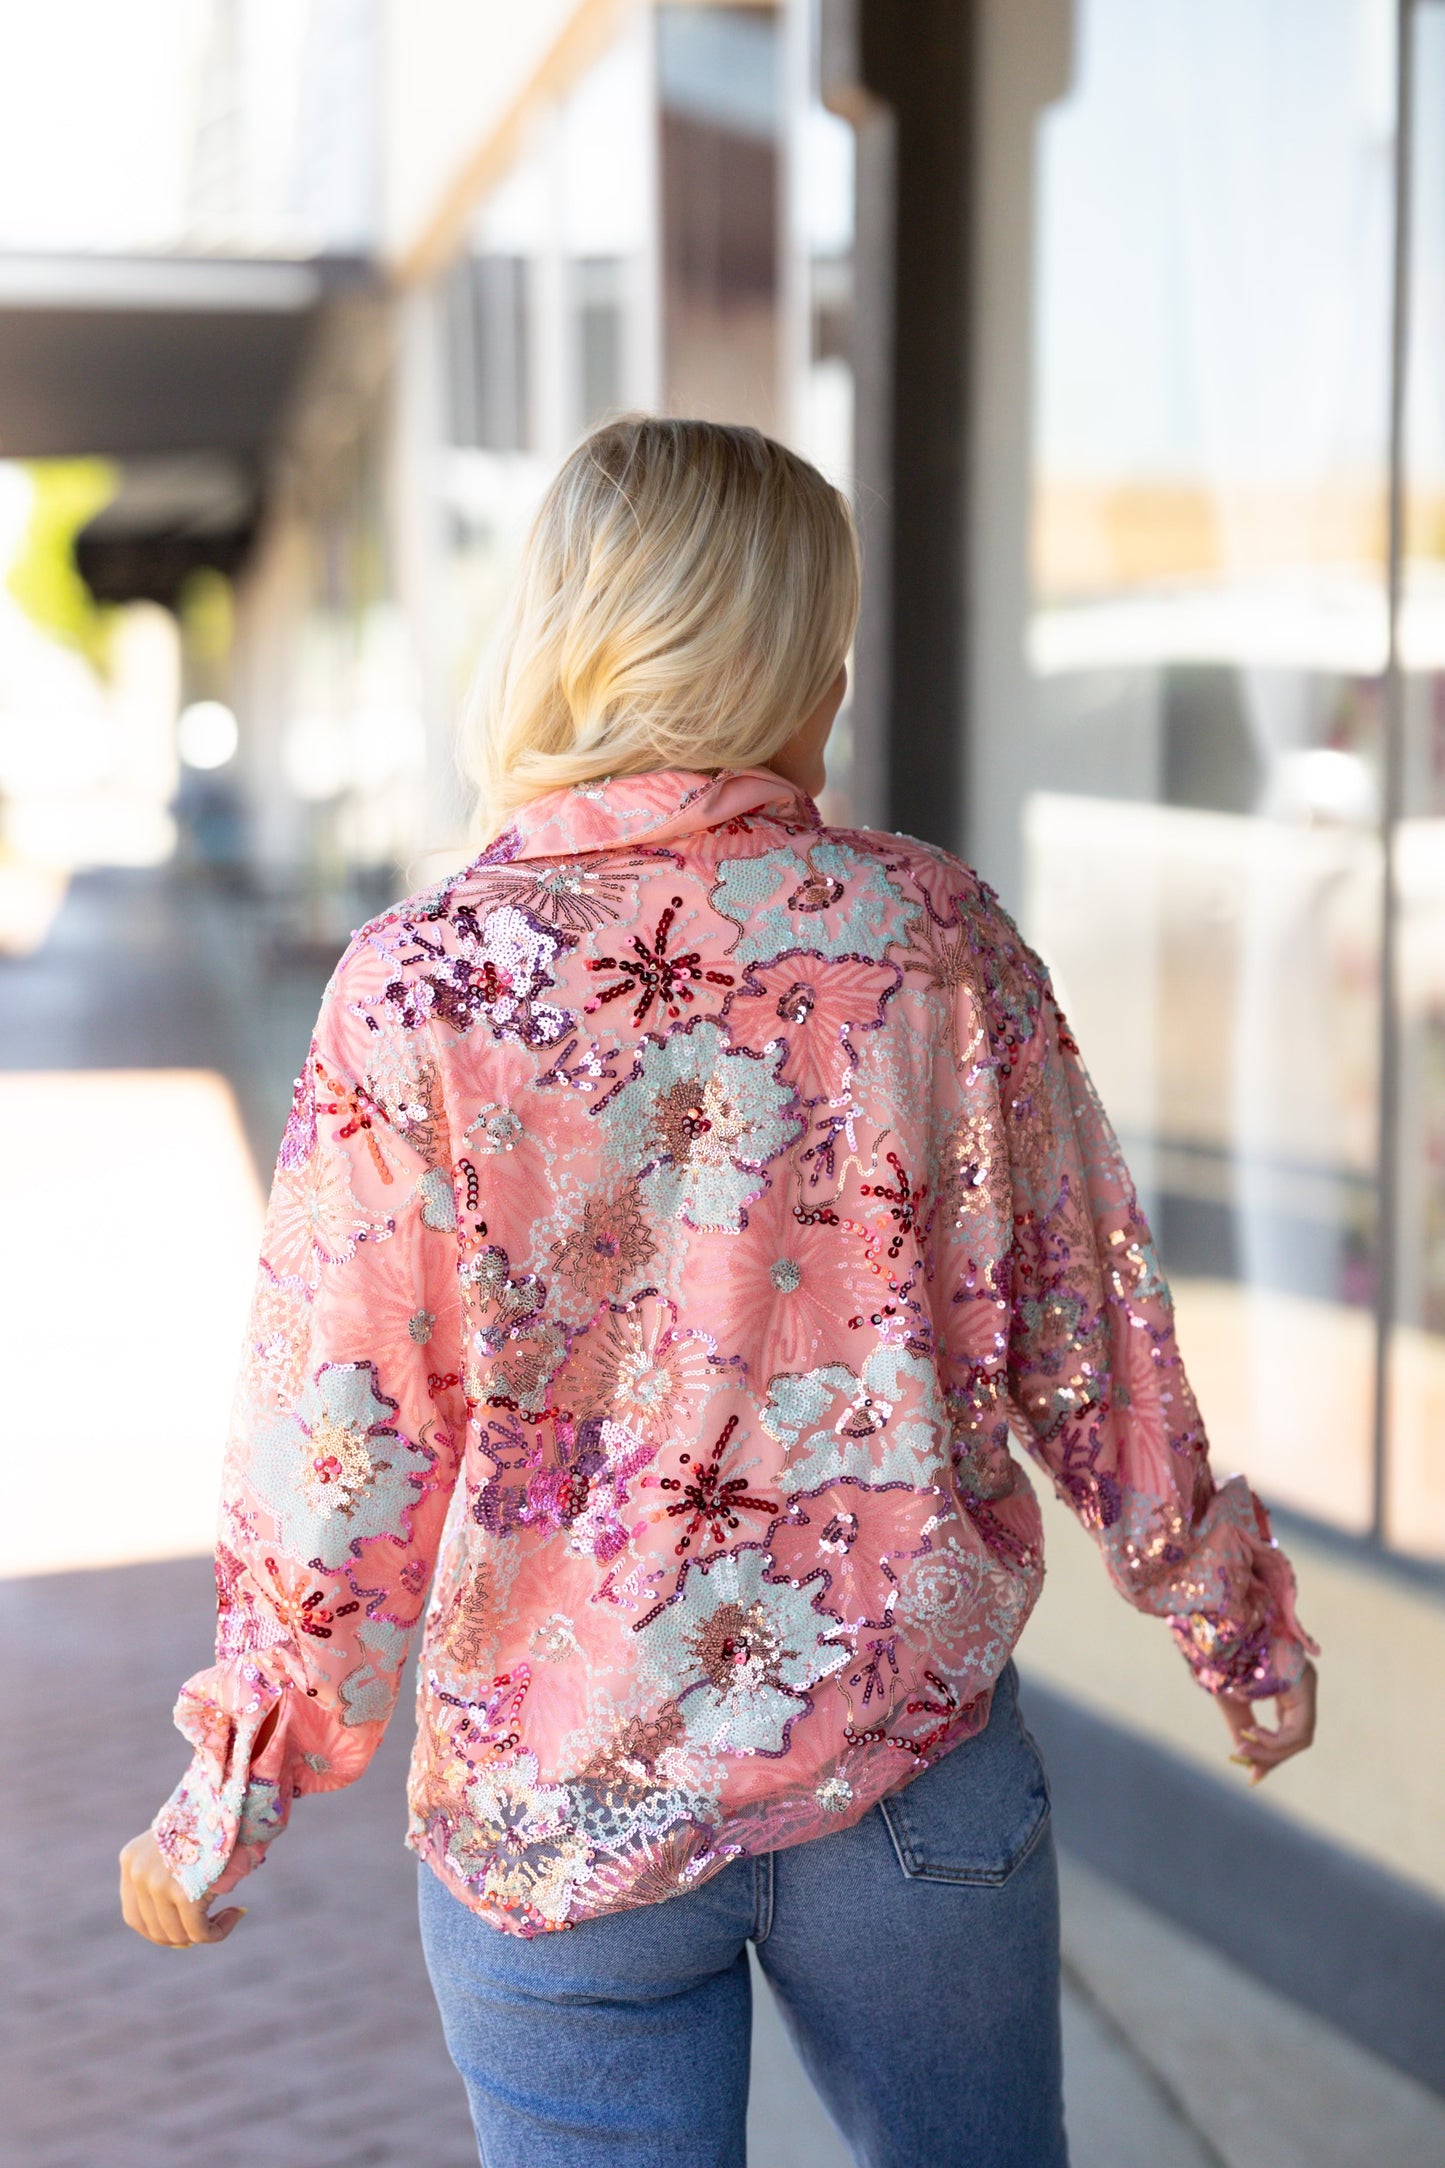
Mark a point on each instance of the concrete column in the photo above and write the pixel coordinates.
(903, 76)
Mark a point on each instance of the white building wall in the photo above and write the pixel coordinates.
(451, 71)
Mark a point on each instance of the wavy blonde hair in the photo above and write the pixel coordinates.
(685, 598)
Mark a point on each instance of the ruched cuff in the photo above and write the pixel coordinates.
(230, 1803)
(222, 1816)
(1238, 1629)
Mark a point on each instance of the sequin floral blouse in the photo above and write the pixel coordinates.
(679, 1213)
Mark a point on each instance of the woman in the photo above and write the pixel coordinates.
(679, 1210)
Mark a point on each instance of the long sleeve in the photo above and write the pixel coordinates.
(1098, 1391)
(344, 1441)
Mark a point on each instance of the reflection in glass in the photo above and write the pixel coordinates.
(817, 298)
(1195, 775)
(485, 304)
(1415, 1398)
(598, 299)
(720, 86)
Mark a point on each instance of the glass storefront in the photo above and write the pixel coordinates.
(1414, 1492)
(1182, 707)
(720, 111)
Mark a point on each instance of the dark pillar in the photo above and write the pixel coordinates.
(902, 74)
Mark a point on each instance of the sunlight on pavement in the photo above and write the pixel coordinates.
(125, 1298)
(30, 900)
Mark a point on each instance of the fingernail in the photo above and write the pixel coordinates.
(1241, 1761)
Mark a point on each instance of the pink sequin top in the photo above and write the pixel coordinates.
(679, 1212)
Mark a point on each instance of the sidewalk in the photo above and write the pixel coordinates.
(310, 2041)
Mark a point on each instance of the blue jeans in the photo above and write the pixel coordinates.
(915, 1957)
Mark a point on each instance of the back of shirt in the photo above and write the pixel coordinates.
(682, 1206)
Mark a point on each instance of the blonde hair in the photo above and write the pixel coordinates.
(686, 596)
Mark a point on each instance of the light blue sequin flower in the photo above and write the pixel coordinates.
(886, 1426)
(738, 1653)
(701, 1119)
(333, 1470)
(369, 1691)
(834, 901)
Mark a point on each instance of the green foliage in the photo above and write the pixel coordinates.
(206, 609)
(65, 494)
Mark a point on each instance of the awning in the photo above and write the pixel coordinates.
(181, 368)
(146, 354)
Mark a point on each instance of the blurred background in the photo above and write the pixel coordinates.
(1123, 321)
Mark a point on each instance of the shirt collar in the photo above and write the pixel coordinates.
(647, 809)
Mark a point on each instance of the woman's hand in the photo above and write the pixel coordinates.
(1258, 1749)
(156, 1906)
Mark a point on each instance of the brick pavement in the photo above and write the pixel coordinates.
(150, 969)
(308, 2040)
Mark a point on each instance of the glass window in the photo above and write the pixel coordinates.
(816, 299)
(1415, 1400)
(486, 336)
(817, 279)
(605, 179)
(1177, 765)
(720, 87)
(598, 298)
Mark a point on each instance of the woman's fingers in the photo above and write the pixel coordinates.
(1238, 1715)
(1296, 1727)
(157, 1927)
(130, 1910)
(136, 1906)
(192, 1924)
(203, 1926)
(169, 1929)
(1258, 1748)
(154, 1904)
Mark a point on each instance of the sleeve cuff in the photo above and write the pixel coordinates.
(1241, 1637)
(230, 1803)
(221, 1818)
